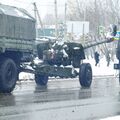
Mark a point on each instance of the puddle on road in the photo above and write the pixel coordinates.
(7, 100)
(61, 90)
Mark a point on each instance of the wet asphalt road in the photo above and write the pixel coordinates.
(62, 100)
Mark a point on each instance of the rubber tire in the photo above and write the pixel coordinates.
(85, 75)
(8, 75)
(41, 79)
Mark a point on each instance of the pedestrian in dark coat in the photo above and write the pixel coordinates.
(96, 56)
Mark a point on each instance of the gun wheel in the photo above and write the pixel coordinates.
(41, 79)
(85, 75)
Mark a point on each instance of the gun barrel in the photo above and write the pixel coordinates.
(98, 43)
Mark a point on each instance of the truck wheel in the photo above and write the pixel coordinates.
(41, 79)
(8, 75)
(85, 75)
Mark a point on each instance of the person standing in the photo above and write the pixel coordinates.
(96, 56)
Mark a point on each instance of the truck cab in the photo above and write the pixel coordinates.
(17, 38)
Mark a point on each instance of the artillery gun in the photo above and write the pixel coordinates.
(62, 59)
(17, 46)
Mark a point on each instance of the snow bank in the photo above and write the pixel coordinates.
(102, 68)
(26, 76)
(112, 118)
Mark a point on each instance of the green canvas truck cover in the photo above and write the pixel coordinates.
(17, 29)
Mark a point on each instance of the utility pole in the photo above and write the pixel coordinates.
(84, 25)
(65, 26)
(72, 31)
(37, 14)
(56, 20)
(96, 17)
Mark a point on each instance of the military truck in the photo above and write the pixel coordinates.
(17, 36)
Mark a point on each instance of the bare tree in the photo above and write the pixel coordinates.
(97, 12)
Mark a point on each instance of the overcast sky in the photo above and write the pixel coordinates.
(44, 6)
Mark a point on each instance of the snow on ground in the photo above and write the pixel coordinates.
(26, 76)
(100, 70)
(103, 69)
(112, 118)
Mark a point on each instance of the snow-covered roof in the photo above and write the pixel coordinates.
(14, 11)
